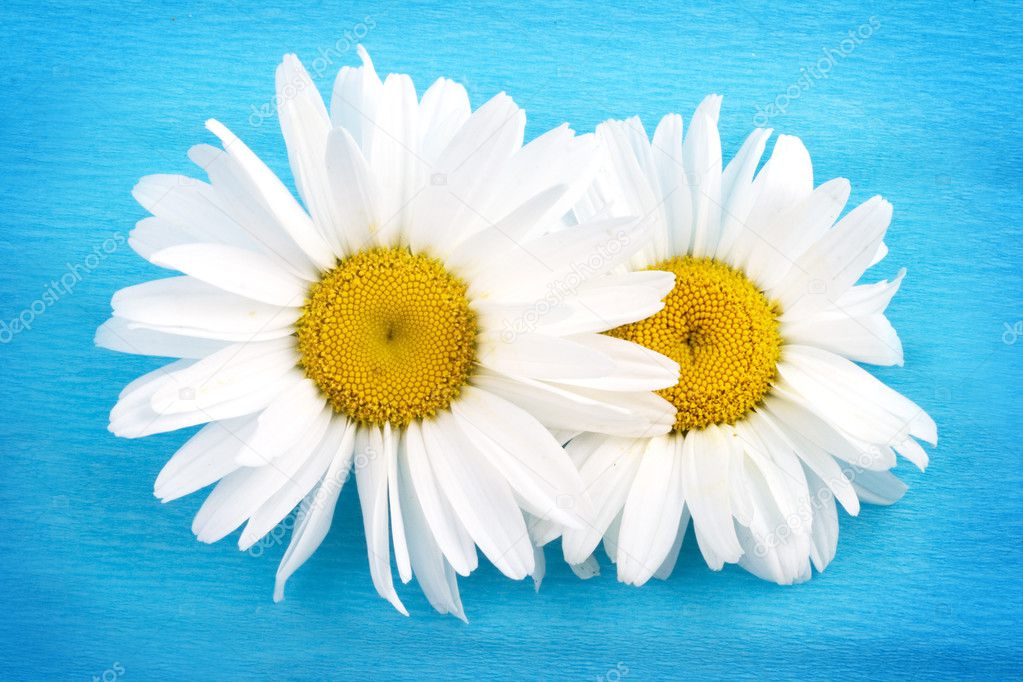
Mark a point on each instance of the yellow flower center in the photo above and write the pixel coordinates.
(722, 331)
(388, 336)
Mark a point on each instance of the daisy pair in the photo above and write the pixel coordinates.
(446, 306)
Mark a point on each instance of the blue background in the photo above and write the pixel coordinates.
(101, 580)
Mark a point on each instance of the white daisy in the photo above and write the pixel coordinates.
(774, 418)
(393, 322)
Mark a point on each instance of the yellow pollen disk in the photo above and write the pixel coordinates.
(722, 331)
(388, 336)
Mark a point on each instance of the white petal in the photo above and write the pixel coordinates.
(784, 181)
(539, 356)
(811, 218)
(781, 473)
(602, 303)
(183, 204)
(317, 510)
(188, 303)
(912, 451)
(541, 532)
(608, 467)
(833, 264)
(636, 368)
(587, 569)
(354, 191)
(134, 398)
(133, 417)
(443, 110)
(738, 174)
(778, 436)
(120, 335)
(793, 417)
(574, 409)
(446, 211)
(742, 506)
(482, 500)
(434, 573)
(250, 220)
(705, 457)
(371, 478)
(187, 210)
(611, 539)
(526, 455)
(235, 270)
(447, 530)
(284, 422)
(154, 234)
(854, 326)
(297, 486)
(650, 520)
(664, 571)
(205, 458)
(393, 155)
(630, 161)
(224, 336)
(392, 444)
(769, 550)
(232, 372)
(870, 339)
(776, 244)
(738, 192)
(138, 391)
(559, 262)
(288, 214)
(517, 318)
(305, 125)
(867, 299)
(539, 561)
(240, 494)
(353, 104)
(852, 399)
(676, 197)
(825, 522)
(557, 158)
(486, 248)
(882, 251)
(779, 542)
(701, 153)
(878, 487)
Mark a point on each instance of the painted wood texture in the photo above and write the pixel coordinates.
(102, 581)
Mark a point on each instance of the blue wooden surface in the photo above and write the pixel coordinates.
(101, 580)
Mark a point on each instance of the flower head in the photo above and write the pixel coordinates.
(414, 318)
(774, 420)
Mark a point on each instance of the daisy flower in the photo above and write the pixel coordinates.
(401, 323)
(774, 420)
